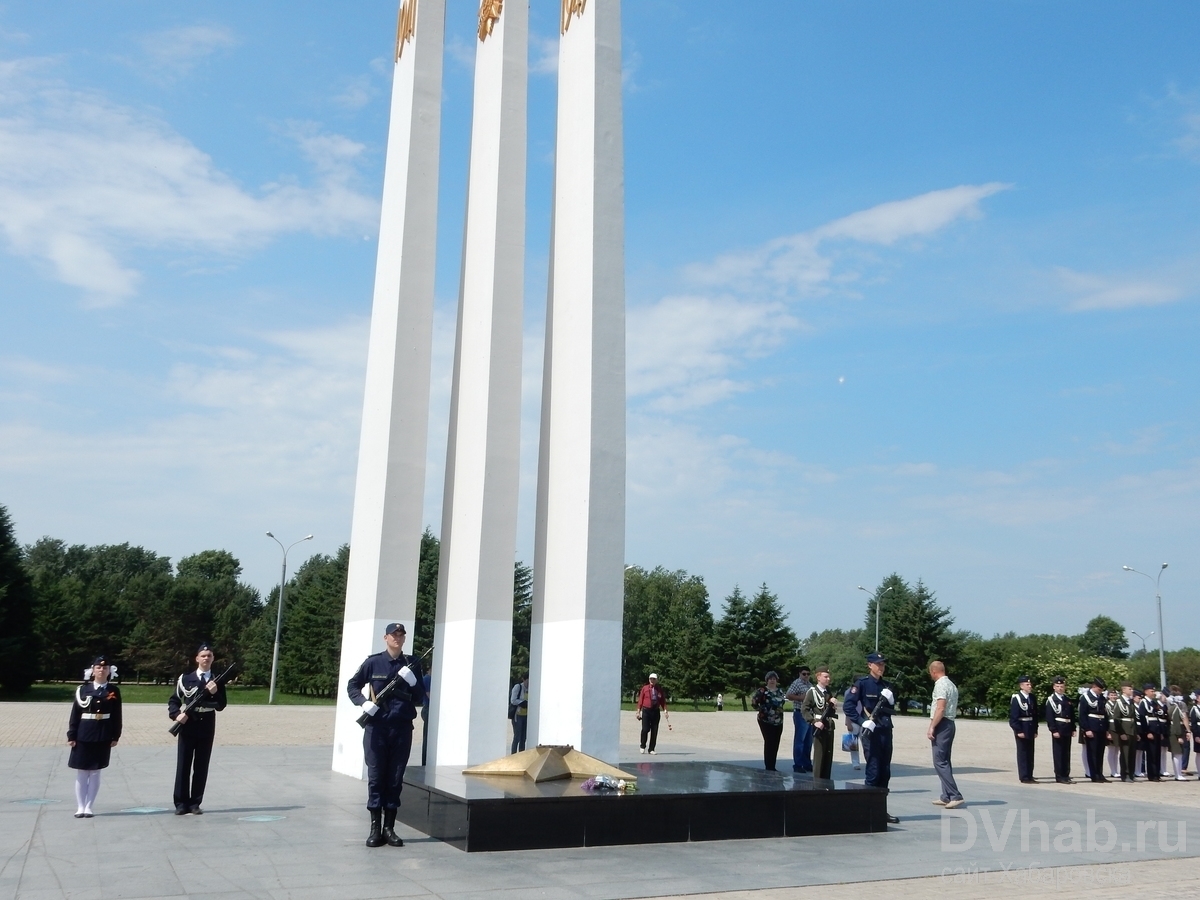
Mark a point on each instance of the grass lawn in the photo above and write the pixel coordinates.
(158, 693)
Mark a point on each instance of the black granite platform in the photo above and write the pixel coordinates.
(675, 801)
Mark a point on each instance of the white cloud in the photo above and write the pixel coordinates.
(681, 349)
(174, 52)
(794, 264)
(543, 55)
(84, 181)
(1096, 292)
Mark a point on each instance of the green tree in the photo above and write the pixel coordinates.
(522, 621)
(1183, 668)
(427, 589)
(753, 638)
(668, 628)
(18, 638)
(734, 647)
(1104, 637)
(90, 600)
(914, 632)
(840, 650)
(311, 644)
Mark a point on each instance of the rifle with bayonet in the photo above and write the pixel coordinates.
(365, 719)
(202, 693)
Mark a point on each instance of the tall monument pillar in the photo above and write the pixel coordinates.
(575, 678)
(385, 534)
(473, 629)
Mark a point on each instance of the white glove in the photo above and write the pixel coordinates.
(868, 725)
(369, 708)
(887, 695)
(407, 675)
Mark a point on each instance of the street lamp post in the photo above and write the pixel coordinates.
(279, 609)
(878, 598)
(1162, 654)
(1142, 639)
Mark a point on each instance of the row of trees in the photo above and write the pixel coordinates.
(669, 629)
(61, 604)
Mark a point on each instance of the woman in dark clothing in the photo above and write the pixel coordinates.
(93, 730)
(768, 701)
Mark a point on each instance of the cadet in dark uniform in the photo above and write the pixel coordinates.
(870, 705)
(1122, 723)
(1023, 720)
(92, 731)
(388, 736)
(1194, 722)
(1093, 722)
(1151, 731)
(193, 748)
(1060, 720)
(819, 708)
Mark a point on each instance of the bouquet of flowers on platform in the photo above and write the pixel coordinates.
(606, 783)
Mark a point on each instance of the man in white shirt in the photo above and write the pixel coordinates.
(941, 733)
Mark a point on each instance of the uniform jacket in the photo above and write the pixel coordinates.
(400, 706)
(185, 689)
(1023, 714)
(91, 703)
(1092, 715)
(1122, 717)
(818, 705)
(864, 697)
(1177, 728)
(1150, 718)
(1060, 714)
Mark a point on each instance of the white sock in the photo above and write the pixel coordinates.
(1177, 758)
(81, 781)
(93, 788)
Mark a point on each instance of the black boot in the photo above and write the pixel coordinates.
(389, 824)
(374, 839)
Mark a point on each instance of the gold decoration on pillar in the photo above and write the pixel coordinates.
(571, 8)
(406, 25)
(489, 15)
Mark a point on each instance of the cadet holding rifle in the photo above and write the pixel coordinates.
(203, 694)
(819, 708)
(389, 689)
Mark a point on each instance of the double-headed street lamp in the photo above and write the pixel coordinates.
(1142, 639)
(1162, 655)
(878, 597)
(279, 609)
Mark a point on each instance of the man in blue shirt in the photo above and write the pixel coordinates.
(870, 705)
(387, 740)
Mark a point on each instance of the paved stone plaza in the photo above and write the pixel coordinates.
(280, 824)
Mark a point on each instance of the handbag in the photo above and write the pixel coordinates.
(849, 742)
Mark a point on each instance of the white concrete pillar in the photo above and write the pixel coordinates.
(385, 533)
(575, 678)
(473, 630)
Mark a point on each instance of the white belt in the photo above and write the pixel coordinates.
(1025, 719)
(94, 716)
(202, 709)
(1062, 720)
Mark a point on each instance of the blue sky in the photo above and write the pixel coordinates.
(911, 287)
